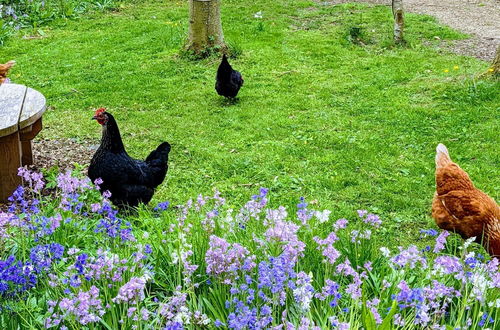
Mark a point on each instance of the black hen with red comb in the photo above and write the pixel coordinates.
(228, 81)
(130, 181)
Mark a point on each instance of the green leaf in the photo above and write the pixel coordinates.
(387, 322)
(368, 319)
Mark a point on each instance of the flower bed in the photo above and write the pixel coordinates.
(68, 259)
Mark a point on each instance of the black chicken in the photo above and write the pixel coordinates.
(130, 181)
(228, 81)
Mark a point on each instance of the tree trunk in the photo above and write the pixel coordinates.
(494, 69)
(495, 66)
(397, 12)
(205, 27)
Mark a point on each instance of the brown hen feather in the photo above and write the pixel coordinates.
(459, 206)
(4, 69)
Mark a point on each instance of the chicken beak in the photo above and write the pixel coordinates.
(94, 118)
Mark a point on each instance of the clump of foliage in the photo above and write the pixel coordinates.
(69, 259)
(19, 14)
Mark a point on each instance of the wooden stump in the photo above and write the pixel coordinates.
(10, 149)
(21, 110)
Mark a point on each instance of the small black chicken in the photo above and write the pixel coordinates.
(130, 181)
(228, 81)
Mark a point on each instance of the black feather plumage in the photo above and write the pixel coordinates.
(130, 181)
(228, 81)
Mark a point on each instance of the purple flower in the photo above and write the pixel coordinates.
(113, 226)
(286, 233)
(372, 305)
(331, 289)
(411, 256)
(33, 179)
(370, 218)
(303, 214)
(441, 241)
(132, 290)
(448, 265)
(70, 184)
(224, 259)
(326, 246)
(86, 307)
(340, 224)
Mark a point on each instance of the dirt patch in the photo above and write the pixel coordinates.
(62, 153)
(478, 18)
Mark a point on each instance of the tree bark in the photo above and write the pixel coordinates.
(494, 69)
(397, 11)
(495, 65)
(205, 27)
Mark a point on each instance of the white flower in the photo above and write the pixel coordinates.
(72, 251)
(323, 216)
(175, 257)
(258, 14)
(470, 255)
(495, 303)
(480, 285)
(468, 242)
(305, 297)
(145, 235)
(385, 251)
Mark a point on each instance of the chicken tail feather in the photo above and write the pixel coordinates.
(159, 157)
(442, 156)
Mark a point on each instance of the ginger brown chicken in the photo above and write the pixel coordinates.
(4, 69)
(460, 207)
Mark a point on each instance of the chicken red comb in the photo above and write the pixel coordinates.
(99, 111)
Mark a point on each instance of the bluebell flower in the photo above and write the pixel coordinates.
(162, 206)
(485, 319)
(429, 232)
(80, 262)
(42, 256)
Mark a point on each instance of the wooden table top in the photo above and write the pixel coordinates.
(20, 107)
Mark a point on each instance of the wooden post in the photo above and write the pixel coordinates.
(26, 135)
(205, 27)
(397, 12)
(10, 148)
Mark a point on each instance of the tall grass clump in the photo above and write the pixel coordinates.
(68, 259)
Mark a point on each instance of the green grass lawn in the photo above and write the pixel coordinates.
(351, 124)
